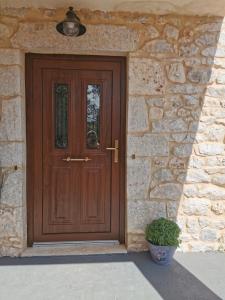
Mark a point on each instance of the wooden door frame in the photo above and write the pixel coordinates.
(29, 57)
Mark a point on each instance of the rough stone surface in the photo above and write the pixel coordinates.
(171, 32)
(211, 149)
(137, 115)
(11, 120)
(155, 113)
(171, 191)
(12, 193)
(147, 77)
(147, 145)
(209, 235)
(169, 125)
(175, 72)
(98, 37)
(175, 123)
(142, 212)
(183, 150)
(200, 76)
(138, 178)
(158, 47)
(10, 57)
(10, 81)
(11, 154)
(196, 206)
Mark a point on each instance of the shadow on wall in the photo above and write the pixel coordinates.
(171, 282)
(184, 146)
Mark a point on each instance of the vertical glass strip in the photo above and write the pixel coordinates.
(93, 116)
(61, 115)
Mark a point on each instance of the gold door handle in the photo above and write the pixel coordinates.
(116, 151)
(68, 159)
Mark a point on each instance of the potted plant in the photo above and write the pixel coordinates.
(162, 236)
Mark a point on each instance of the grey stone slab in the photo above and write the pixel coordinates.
(118, 276)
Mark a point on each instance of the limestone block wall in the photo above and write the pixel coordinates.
(175, 117)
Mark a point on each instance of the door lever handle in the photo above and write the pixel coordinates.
(116, 151)
(68, 159)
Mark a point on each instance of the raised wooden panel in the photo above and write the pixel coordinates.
(93, 197)
(57, 201)
(60, 196)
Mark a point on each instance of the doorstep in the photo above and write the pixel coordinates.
(74, 248)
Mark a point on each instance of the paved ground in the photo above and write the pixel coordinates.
(130, 276)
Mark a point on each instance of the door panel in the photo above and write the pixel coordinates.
(77, 108)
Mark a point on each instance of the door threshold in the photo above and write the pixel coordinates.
(74, 248)
(76, 243)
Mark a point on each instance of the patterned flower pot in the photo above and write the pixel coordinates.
(162, 255)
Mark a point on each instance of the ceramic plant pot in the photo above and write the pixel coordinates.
(162, 255)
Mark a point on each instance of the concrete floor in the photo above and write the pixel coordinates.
(130, 276)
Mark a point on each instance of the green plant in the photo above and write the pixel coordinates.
(163, 232)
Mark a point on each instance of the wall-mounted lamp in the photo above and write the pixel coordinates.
(71, 25)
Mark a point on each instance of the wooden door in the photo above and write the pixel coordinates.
(75, 117)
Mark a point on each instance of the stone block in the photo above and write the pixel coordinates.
(206, 39)
(10, 81)
(155, 101)
(208, 234)
(191, 100)
(169, 125)
(136, 242)
(171, 32)
(216, 91)
(212, 192)
(170, 191)
(148, 145)
(138, 178)
(150, 32)
(11, 57)
(172, 209)
(34, 36)
(192, 225)
(218, 207)
(196, 175)
(146, 77)
(202, 76)
(211, 149)
(11, 120)
(5, 31)
(210, 27)
(158, 47)
(163, 175)
(140, 213)
(155, 113)
(11, 154)
(177, 163)
(188, 50)
(220, 79)
(137, 115)
(176, 73)
(12, 190)
(218, 179)
(196, 206)
(186, 88)
(183, 150)
(214, 52)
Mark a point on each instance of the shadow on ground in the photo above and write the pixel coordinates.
(171, 282)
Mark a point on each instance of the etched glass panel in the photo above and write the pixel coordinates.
(93, 116)
(61, 115)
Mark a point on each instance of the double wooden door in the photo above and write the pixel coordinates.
(75, 138)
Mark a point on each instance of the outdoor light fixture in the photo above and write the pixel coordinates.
(71, 26)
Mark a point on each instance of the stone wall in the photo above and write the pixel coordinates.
(176, 117)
